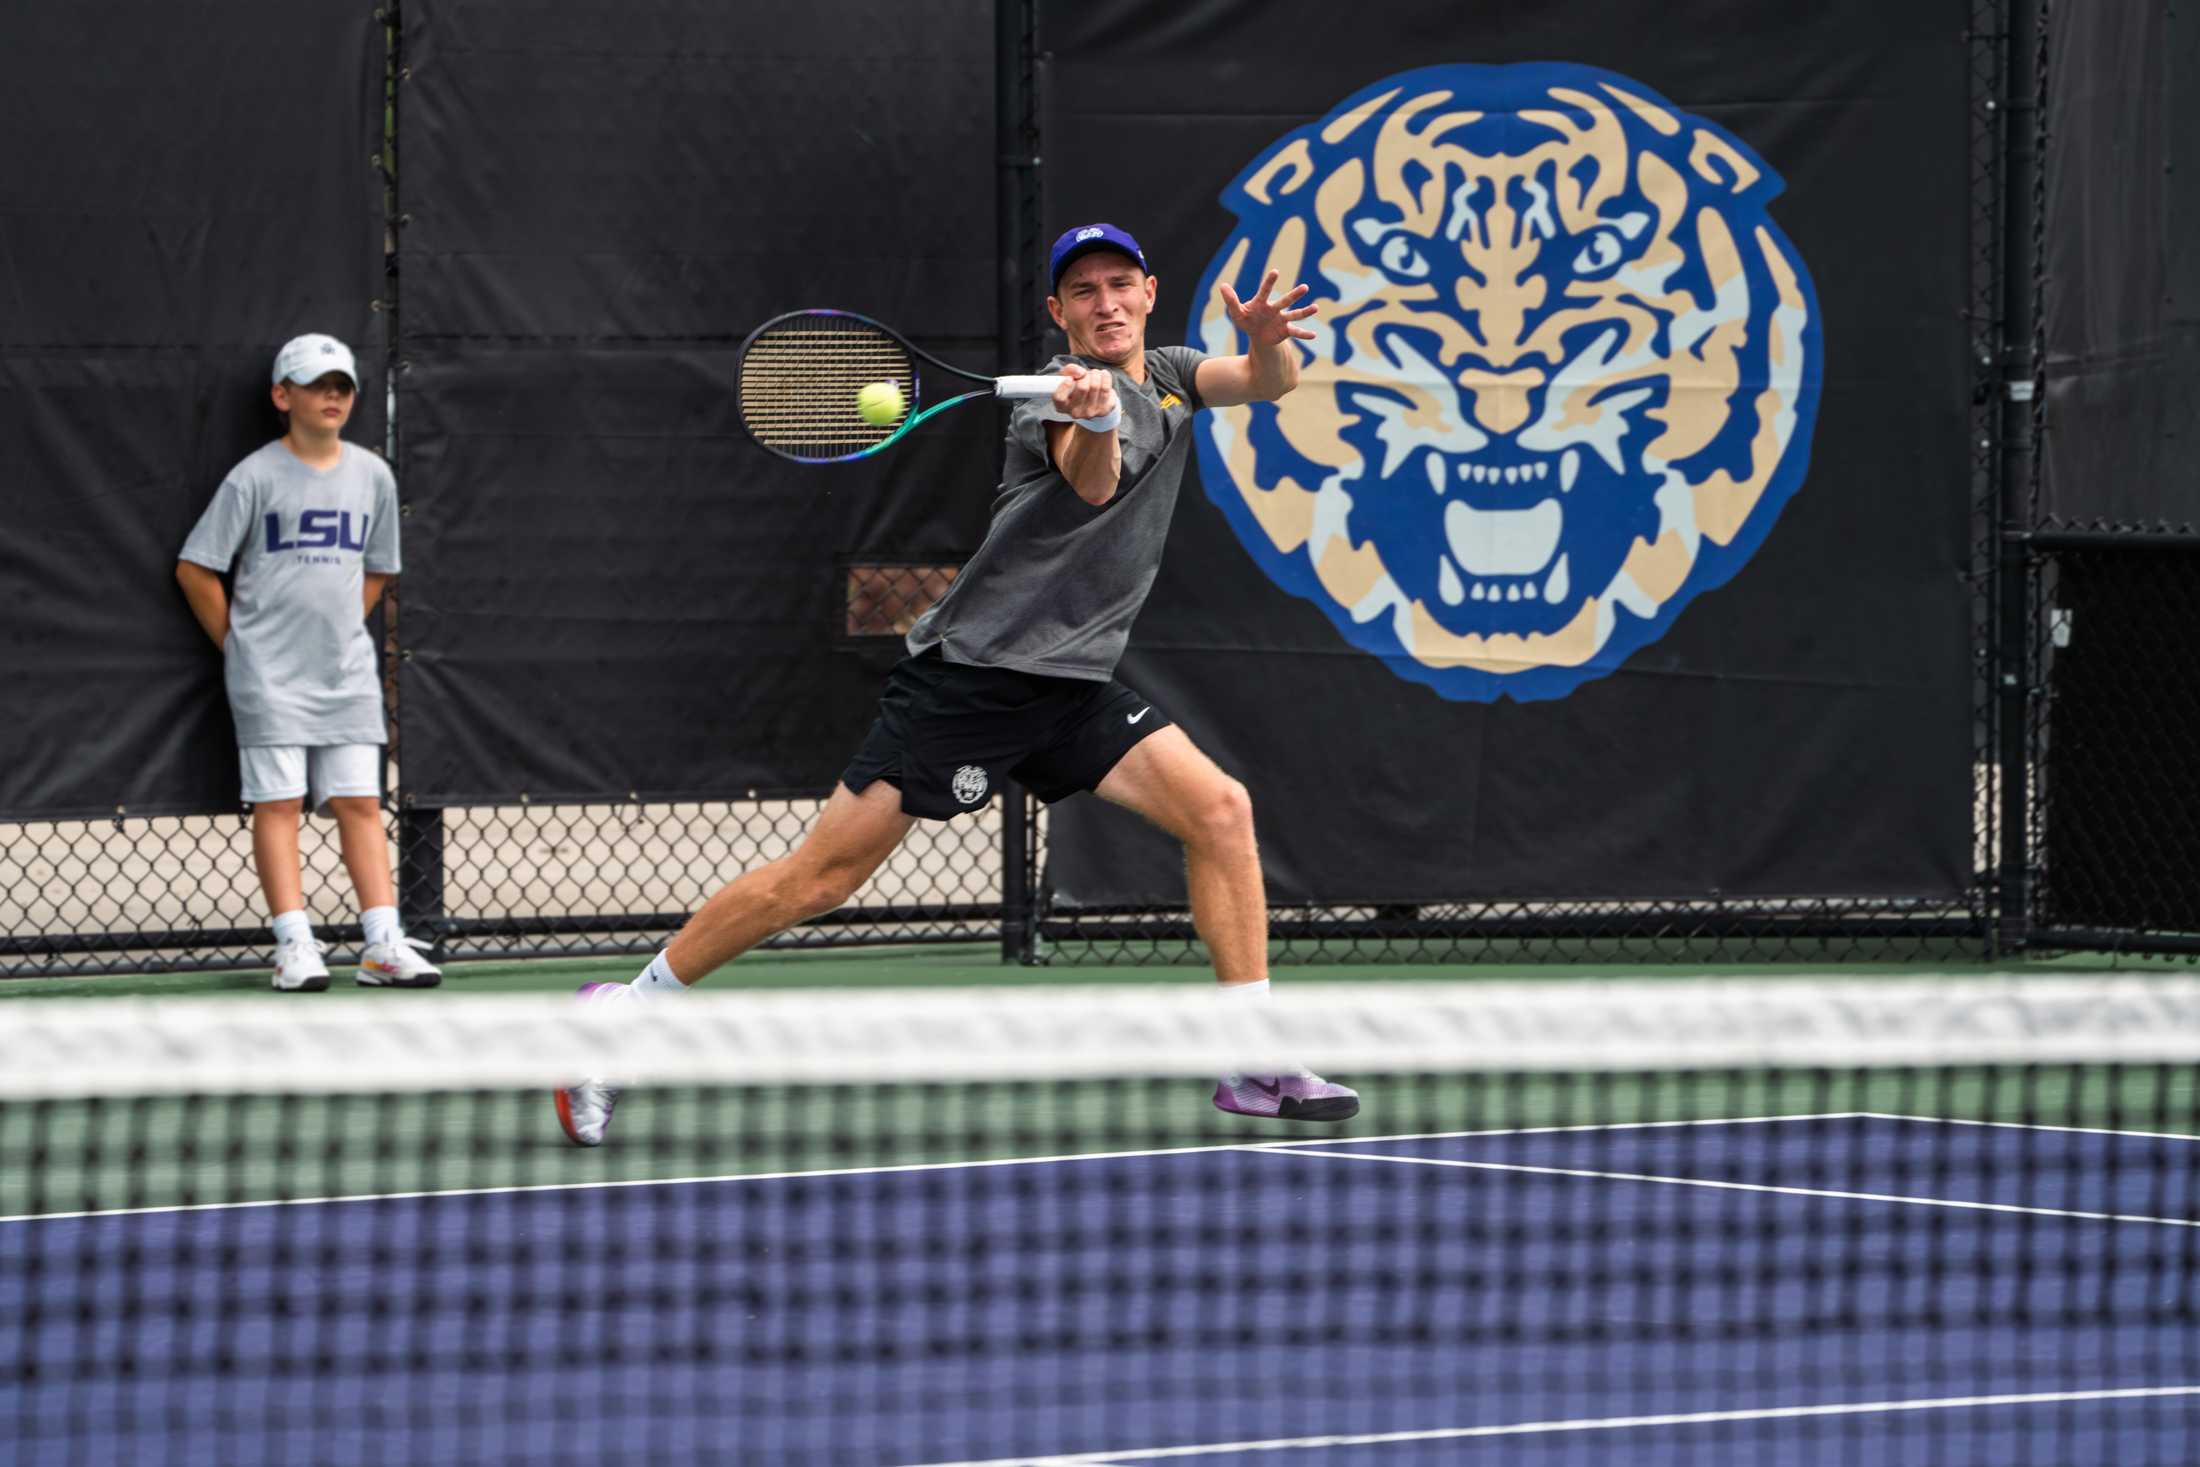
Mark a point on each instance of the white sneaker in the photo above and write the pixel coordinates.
(299, 969)
(398, 964)
(584, 1110)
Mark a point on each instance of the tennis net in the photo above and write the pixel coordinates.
(1787, 1221)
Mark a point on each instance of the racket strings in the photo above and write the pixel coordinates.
(799, 384)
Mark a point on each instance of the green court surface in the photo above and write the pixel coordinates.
(980, 964)
(77, 1156)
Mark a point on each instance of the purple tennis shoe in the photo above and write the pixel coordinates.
(1304, 1096)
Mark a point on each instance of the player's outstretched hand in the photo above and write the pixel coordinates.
(1085, 392)
(1266, 322)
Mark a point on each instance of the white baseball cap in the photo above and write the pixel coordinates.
(307, 359)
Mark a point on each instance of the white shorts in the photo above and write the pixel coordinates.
(285, 772)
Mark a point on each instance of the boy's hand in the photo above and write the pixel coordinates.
(209, 602)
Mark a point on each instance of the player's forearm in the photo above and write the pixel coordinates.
(1274, 370)
(1092, 462)
(202, 590)
(372, 592)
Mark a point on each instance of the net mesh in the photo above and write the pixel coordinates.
(1643, 1223)
(800, 377)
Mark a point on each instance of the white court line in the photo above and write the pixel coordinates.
(1881, 1115)
(1823, 1115)
(1608, 1423)
(609, 1186)
(1561, 1171)
(865, 1171)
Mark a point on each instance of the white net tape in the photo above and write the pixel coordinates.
(354, 1044)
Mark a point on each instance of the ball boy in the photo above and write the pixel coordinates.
(310, 524)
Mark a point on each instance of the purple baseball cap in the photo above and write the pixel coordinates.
(1076, 243)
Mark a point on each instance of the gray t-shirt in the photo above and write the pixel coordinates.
(1057, 583)
(300, 663)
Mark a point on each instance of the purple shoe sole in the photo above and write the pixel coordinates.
(1253, 1098)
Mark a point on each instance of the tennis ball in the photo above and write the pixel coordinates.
(880, 404)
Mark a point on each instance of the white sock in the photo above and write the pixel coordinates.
(657, 980)
(292, 927)
(1245, 990)
(381, 926)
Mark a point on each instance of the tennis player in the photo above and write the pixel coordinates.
(310, 523)
(1011, 674)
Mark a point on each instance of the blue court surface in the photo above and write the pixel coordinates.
(1821, 1290)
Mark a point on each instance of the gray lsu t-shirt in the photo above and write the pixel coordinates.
(1058, 582)
(301, 665)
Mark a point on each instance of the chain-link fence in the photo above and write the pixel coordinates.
(131, 894)
(135, 894)
(1805, 930)
(571, 879)
(2116, 831)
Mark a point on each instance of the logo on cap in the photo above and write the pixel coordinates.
(1086, 239)
(314, 353)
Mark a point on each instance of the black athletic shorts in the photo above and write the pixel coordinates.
(947, 735)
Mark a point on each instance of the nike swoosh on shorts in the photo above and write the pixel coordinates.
(1141, 713)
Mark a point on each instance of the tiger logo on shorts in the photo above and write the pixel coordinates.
(1564, 375)
(970, 784)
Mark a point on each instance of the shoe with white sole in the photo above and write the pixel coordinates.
(399, 964)
(298, 967)
(584, 1110)
(1301, 1096)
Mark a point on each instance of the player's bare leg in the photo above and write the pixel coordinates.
(853, 836)
(1169, 781)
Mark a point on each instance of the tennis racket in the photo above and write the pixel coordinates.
(799, 374)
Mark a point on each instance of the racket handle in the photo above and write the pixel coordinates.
(1023, 387)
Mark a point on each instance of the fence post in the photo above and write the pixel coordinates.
(2020, 403)
(1020, 220)
(420, 873)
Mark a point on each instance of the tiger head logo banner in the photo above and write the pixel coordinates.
(1563, 381)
